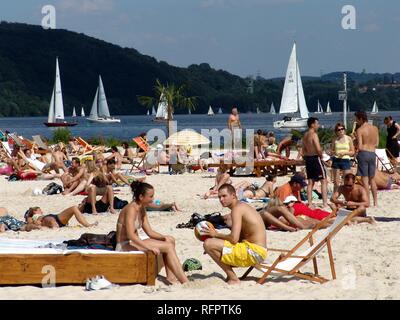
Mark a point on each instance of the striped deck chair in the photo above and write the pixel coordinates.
(145, 147)
(291, 261)
(383, 162)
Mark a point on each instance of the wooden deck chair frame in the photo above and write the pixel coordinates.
(146, 147)
(312, 255)
(387, 166)
(87, 147)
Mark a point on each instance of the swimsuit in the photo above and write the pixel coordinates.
(243, 254)
(60, 224)
(315, 168)
(142, 235)
(101, 207)
(11, 223)
(366, 164)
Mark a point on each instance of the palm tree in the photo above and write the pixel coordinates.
(174, 96)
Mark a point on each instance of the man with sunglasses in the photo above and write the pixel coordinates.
(355, 198)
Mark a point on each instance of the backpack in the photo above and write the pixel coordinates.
(52, 189)
(215, 218)
(119, 204)
(14, 177)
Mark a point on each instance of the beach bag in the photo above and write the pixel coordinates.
(14, 177)
(108, 241)
(119, 204)
(52, 189)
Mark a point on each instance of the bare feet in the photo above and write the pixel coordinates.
(112, 211)
(372, 220)
(94, 224)
(232, 282)
(2, 228)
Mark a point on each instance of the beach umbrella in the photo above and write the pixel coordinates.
(186, 138)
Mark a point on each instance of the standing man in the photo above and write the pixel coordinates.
(367, 136)
(312, 154)
(246, 245)
(235, 126)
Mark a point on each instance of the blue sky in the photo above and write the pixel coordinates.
(241, 36)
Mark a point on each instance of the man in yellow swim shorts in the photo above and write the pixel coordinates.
(246, 245)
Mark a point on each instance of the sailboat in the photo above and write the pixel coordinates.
(100, 112)
(153, 111)
(375, 109)
(220, 111)
(273, 111)
(74, 113)
(83, 113)
(148, 112)
(319, 108)
(56, 109)
(328, 109)
(210, 112)
(162, 110)
(293, 99)
(190, 111)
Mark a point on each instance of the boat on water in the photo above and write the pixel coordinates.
(210, 112)
(56, 108)
(293, 99)
(162, 110)
(100, 112)
(220, 111)
(258, 111)
(375, 109)
(74, 113)
(328, 109)
(319, 108)
(153, 111)
(272, 110)
(83, 113)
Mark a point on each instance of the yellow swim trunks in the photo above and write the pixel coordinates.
(243, 254)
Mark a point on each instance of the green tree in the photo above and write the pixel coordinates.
(173, 95)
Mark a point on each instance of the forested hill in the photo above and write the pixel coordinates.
(27, 71)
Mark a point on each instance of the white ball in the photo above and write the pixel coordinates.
(203, 225)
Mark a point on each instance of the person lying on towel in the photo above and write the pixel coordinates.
(36, 216)
(9, 223)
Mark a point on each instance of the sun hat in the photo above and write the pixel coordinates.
(290, 199)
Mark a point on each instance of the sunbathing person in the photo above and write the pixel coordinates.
(265, 191)
(101, 206)
(55, 221)
(158, 205)
(128, 155)
(72, 177)
(356, 198)
(8, 222)
(59, 158)
(108, 170)
(117, 157)
(84, 182)
(245, 245)
(135, 233)
(385, 181)
(100, 186)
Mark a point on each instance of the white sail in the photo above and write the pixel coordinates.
(190, 111)
(375, 108)
(93, 112)
(51, 109)
(148, 112)
(74, 113)
(153, 111)
(328, 108)
(83, 113)
(162, 110)
(273, 111)
(220, 111)
(210, 112)
(293, 99)
(319, 108)
(103, 105)
(58, 104)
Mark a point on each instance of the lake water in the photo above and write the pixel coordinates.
(132, 126)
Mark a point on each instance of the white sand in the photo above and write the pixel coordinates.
(366, 256)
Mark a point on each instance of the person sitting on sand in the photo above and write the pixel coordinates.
(100, 186)
(71, 179)
(55, 221)
(356, 198)
(265, 191)
(117, 157)
(134, 233)
(128, 154)
(245, 245)
(292, 188)
(9, 223)
(112, 176)
(84, 182)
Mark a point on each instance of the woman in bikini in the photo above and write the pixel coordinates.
(135, 234)
(266, 190)
(36, 216)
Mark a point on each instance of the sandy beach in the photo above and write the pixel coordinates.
(365, 255)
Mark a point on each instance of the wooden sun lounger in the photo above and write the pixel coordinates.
(261, 168)
(77, 267)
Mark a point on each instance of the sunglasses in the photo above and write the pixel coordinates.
(340, 129)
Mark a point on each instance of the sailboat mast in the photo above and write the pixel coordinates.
(297, 79)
